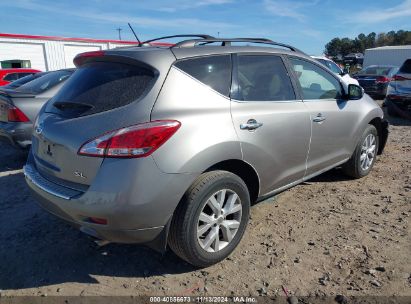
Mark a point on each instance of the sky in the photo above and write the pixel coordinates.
(306, 24)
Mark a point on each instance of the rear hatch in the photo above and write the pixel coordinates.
(104, 94)
(371, 78)
(367, 81)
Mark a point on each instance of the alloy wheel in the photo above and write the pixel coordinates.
(219, 220)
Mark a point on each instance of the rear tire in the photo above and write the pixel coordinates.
(364, 156)
(198, 221)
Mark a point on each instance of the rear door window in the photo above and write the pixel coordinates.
(213, 71)
(263, 78)
(101, 86)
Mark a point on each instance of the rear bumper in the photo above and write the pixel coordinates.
(402, 101)
(128, 236)
(132, 216)
(17, 134)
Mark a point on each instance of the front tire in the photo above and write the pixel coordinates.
(211, 219)
(364, 156)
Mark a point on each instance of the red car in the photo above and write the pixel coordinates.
(10, 75)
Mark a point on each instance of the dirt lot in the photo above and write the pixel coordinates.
(329, 236)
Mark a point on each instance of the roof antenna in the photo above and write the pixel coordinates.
(134, 33)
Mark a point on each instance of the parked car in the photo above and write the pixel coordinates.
(9, 75)
(336, 69)
(19, 107)
(170, 145)
(398, 100)
(19, 82)
(354, 58)
(375, 79)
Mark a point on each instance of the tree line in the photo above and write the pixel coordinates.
(343, 46)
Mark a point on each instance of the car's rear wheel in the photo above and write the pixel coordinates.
(211, 219)
(364, 156)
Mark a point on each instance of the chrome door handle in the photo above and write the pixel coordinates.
(251, 124)
(319, 118)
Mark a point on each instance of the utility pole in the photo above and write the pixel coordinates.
(119, 32)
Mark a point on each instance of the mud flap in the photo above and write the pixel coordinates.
(384, 136)
(159, 244)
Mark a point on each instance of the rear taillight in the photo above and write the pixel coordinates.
(382, 79)
(400, 78)
(80, 58)
(16, 115)
(135, 141)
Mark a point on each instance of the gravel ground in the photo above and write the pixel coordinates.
(331, 235)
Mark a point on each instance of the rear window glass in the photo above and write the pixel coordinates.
(102, 86)
(45, 82)
(22, 81)
(382, 71)
(11, 77)
(214, 71)
(406, 67)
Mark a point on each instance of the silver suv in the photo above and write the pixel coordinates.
(169, 145)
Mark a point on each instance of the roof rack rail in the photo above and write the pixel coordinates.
(203, 36)
(228, 41)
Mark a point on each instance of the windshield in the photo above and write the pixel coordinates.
(45, 82)
(331, 65)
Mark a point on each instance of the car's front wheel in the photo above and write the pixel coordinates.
(211, 219)
(364, 156)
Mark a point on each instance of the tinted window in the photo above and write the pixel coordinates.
(406, 67)
(214, 71)
(21, 75)
(102, 86)
(24, 80)
(381, 71)
(263, 78)
(11, 77)
(45, 82)
(315, 82)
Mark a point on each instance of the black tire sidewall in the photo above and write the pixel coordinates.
(369, 130)
(234, 184)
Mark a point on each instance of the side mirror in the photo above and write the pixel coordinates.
(345, 71)
(355, 92)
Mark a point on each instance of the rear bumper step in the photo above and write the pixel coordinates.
(35, 178)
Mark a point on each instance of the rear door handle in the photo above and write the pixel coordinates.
(251, 124)
(319, 118)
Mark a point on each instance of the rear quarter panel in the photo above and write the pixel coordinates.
(206, 135)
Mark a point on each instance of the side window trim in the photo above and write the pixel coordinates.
(235, 88)
(289, 57)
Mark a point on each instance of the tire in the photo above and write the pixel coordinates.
(358, 166)
(184, 239)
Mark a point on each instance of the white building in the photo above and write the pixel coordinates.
(387, 55)
(47, 53)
